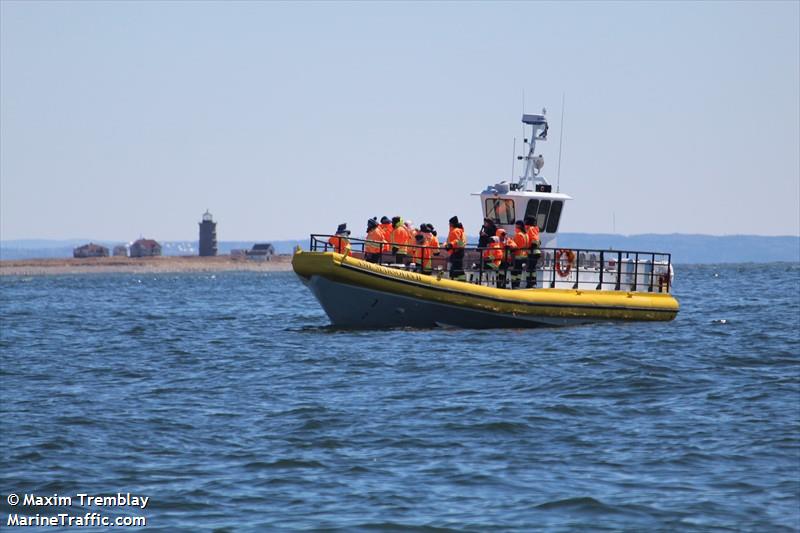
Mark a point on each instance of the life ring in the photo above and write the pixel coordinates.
(562, 269)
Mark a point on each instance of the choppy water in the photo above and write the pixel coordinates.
(229, 402)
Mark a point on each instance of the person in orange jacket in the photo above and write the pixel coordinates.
(399, 240)
(430, 237)
(520, 254)
(508, 256)
(455, 248)
(412, 231)
(493, 254)
(373, 247)
(493, 259)
(386, 229)
(532, 229)
(341, 241)
(421, 255)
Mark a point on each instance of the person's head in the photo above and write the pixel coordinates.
(342, 229)
(433, 232)
(520, 226)
(420, 238)
(454, 221)
(501, 233)
(488, 223)
(385, 220)
(530, 221)
(372, 224)
(409, 224)
(397, 221)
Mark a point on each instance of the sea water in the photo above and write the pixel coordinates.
(230, 403)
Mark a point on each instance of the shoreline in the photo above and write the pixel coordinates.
(142, 265)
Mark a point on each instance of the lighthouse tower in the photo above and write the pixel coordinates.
(208, 236)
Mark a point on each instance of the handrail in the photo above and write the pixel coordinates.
(592, 269)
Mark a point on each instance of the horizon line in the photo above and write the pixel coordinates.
(70, 239)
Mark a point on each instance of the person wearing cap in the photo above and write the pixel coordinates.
(430, 240)
(341, 241)
(430, 237)
(399, 240)
(455, 248)
(386, 229)
(532, 229)
(421, 255)
(435, 237)
(373, 245)
(520, 254)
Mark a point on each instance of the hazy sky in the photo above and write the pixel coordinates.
(122, 119)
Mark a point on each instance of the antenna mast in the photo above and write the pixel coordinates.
(533, 163)
(560, 141)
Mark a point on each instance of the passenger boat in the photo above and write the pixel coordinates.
(572, 286)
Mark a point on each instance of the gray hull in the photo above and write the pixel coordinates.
(359, 307)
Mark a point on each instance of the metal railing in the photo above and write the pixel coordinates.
(565, 268)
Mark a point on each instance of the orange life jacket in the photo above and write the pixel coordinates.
(522, 242)
(456, 240)
(341, 245)
(422, 257)
(400, 239)
(386, 231)
(494, 253)
(533, 234)
(375, 235)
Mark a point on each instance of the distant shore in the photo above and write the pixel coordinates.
(141, 265)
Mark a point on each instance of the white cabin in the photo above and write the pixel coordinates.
(506, 202)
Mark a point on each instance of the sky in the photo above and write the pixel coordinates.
(128, 119)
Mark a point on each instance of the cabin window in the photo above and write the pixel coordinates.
(555, 215)
(530, 211)
(500, 211)
(541, 216)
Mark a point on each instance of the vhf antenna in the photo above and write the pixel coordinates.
(560, 142)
